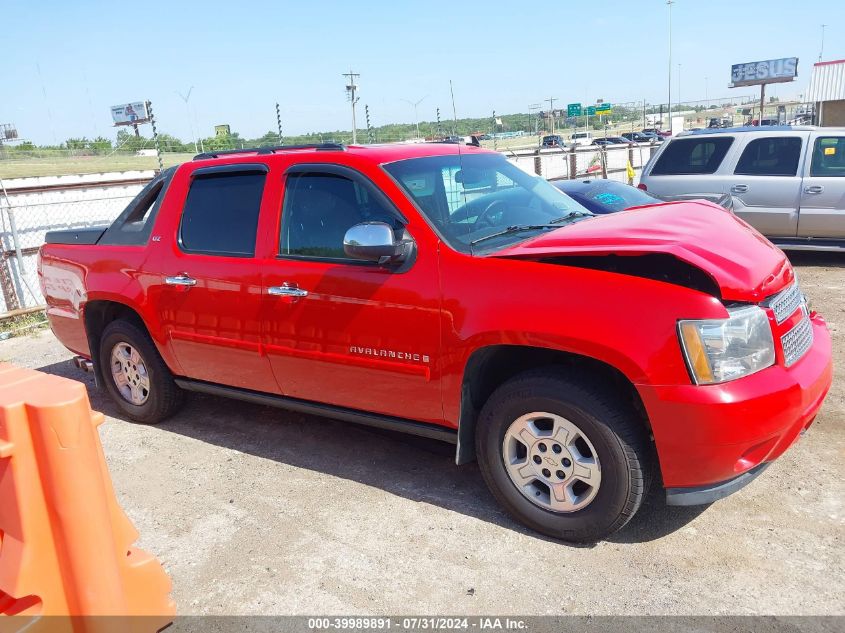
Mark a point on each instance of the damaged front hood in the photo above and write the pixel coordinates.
(743, 263)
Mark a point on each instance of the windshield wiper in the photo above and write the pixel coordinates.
(516, 228)
(571, 214)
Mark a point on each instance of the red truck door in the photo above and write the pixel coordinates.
(341, 331)
(205, 281)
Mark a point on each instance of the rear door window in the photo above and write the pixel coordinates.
(828, 156)
(701, 155)
(220, 216)
(770, 156)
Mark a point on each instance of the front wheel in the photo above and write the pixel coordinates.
(563, 456)
(135, 375)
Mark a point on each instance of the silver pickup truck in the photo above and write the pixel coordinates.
(787, 182)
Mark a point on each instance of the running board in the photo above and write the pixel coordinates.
(818, 245)
(386, 422)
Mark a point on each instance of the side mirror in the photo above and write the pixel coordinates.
(374, 242)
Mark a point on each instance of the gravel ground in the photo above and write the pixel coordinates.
(254, 510)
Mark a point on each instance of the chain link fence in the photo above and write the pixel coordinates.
(30, 207)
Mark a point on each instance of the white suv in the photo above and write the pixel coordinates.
(787, 182)
(582, 138)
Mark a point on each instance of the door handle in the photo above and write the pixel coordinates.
(180, 280)
(287, 289)
(739, 188)
(814, 189)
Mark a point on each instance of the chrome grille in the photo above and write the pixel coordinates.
(786, 302)
(797, 341)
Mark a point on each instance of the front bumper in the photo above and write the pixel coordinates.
(708, 435)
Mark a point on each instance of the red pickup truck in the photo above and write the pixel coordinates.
(438, 289)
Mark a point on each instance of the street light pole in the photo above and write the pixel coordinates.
(670, 3)
(679, 85)
(821, 51)
(416, 119)
(188, 110)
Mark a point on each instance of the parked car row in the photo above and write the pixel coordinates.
(582, 139)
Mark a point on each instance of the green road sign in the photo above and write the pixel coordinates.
(591, 110)
(573, 109)
(604, 108)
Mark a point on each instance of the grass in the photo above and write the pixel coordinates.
(24, 324)
(64, 165)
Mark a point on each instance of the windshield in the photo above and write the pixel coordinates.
(471, 197)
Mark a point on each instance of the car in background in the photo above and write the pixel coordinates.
(582, 138)
(636, 137)
(768, 121)
(656, 131)
(553, 140)
(788, 182)
(652, 137)
(611, 140)
(720, 122)
(608, 196)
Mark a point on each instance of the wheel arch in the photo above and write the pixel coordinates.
(491, 366)
(97, 314)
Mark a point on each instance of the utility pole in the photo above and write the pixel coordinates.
(536, 108)
(369, 127)
(670, 3)
(351, 94)
(279, 122)
(495, 146)
(551, 101)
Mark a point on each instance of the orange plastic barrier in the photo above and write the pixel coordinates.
(65, 544)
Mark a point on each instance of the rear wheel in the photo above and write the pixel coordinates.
(563, 456)
(135, 375)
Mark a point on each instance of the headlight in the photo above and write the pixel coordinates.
(718, 350)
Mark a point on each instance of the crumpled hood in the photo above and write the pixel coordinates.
(744, 264)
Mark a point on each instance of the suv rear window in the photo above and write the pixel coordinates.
(770, 156)
(221, 213)
(828, 156)
(693, 155)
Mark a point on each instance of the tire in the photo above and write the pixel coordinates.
(605, 440)
(147, 392)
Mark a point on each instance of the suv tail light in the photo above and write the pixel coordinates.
(642, 186)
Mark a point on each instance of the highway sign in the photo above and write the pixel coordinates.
(573, 109)
(591, 110)
(604, 108)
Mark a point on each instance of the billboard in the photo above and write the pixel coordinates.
(766, 72)
(8, 132)
(130, 113)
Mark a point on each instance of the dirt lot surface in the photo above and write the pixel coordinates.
(256, 511)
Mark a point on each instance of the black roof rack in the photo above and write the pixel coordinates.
(336, 147)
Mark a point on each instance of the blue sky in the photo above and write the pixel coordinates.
(64, 63)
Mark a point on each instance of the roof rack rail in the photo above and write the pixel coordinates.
(337, 147)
